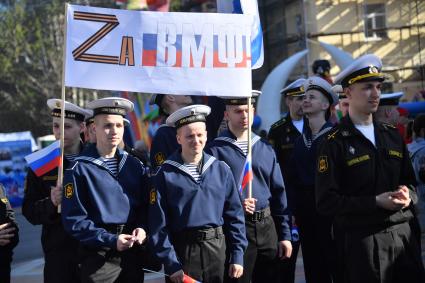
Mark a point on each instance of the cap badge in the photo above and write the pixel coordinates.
(351, 150)
(373, 70)
(58, 104)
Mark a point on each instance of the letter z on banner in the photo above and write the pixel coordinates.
(172, 53)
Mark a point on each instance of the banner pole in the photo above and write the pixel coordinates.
(62, 123)
(249, 155)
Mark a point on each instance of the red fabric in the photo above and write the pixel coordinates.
(188, 279)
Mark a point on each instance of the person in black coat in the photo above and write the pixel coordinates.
(9, 237)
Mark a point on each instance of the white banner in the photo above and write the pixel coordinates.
(247, 7)
(154, 52)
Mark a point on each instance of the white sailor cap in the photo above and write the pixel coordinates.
(111, 106)
(295, 88)
(365, 68)
(339, 91)
(390, 98)
(323, 86)
(89, 119)
(187, 115)
(72, 111)
(232, 100)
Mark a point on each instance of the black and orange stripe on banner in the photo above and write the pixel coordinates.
(111, 23)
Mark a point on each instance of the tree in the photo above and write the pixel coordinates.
(31, 62)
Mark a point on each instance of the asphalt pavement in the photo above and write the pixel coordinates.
(28, 260)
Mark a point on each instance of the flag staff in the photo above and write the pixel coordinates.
(249, 156)
(62, 122)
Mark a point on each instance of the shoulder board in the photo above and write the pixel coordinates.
(388, 126)
(332, 134)
(278, 123)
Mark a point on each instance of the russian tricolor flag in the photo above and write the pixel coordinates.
(248, 7)
(45, 160)
(246, 175)
(188, 279)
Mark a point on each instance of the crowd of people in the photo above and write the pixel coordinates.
(353, 189)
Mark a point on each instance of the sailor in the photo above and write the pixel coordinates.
(105, 200)
(266, 218)
(387, 108)
(164, 141)
(89, 135)
(42, 195)
(282, 136)
(315, 230)
(9, 236)
(195, 207)
(366, 182)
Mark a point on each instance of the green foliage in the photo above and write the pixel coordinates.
(175, 5)
(31, 61)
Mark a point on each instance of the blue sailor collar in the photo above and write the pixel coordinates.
(91, 155)
(177, 161)
(309, 138)
(229, 137)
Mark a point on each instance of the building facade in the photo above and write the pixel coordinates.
(392, 29)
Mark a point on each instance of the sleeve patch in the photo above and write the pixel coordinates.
(69, 190)
(159, 158)
(323, 164)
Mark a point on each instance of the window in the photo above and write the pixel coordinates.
(374, 18)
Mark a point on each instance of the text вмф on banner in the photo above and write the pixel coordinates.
(154, 52)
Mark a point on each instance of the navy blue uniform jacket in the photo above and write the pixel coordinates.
(38, 208)
(180, 203)
(304, 158)
(267, 184)
(93, 197)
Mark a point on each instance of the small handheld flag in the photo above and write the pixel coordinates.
(246, 175)
(44, 160)
(188, 279)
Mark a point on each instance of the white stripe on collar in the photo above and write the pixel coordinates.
(309, 142)
(183, 168)
(254, 140)
(207, 164)
(103, 164)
